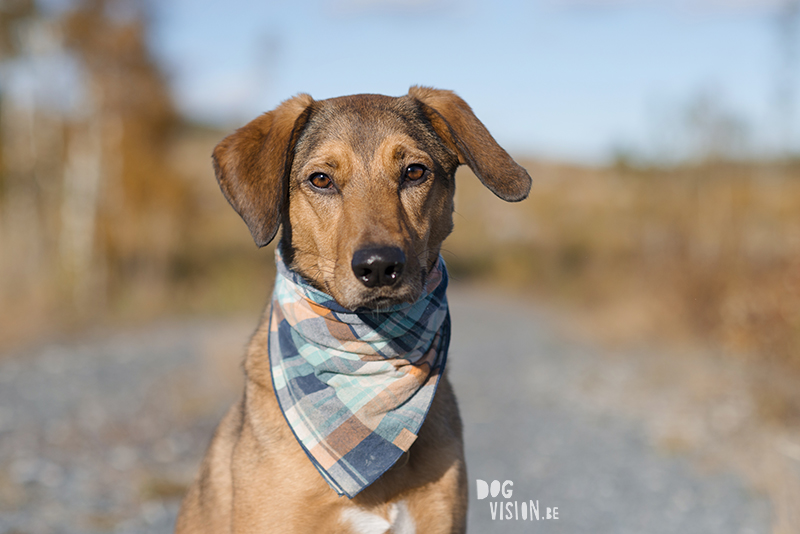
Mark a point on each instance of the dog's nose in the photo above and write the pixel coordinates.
(378, 266)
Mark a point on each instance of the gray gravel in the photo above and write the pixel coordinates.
(103, 435)
(97, 436)
(529, 419)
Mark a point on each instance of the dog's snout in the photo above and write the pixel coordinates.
(378, 266)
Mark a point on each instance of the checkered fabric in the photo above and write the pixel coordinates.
(355, 386)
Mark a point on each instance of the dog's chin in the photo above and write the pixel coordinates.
(378, 299)
(351, 294)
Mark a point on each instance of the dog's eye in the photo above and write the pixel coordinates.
(415, 172)
(321, 181)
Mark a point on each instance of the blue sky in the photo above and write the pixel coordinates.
(565, 79)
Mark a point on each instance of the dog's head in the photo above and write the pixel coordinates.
(362, 185)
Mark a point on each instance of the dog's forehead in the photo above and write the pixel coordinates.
(362, 121)
(366, 107)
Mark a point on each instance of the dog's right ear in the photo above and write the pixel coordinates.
(252, 165)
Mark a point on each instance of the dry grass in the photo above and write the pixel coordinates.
(707, 254)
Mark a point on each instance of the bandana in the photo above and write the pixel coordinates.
(355, 386)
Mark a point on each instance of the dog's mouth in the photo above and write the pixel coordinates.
(355, 296)
(372, 281)
(352, 293)
(377, 277)
(381, 303)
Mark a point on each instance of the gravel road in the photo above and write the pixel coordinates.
(102, 435)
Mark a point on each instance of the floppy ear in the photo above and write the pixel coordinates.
(458, 126)
(252, 165)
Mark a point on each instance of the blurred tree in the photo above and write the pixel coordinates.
(714, 132)
(29, 144)
(123, 141)
(700, 128)
(11, 13)
(787, 25)
(89, 205)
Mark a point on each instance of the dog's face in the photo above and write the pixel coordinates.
(363, 186)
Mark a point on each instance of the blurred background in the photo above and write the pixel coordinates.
(662, 137)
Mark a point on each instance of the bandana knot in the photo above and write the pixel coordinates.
(355, 386)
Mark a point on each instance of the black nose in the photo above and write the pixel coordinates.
(378, 266)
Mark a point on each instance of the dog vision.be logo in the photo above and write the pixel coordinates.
(506, 509)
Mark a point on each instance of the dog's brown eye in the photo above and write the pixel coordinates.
(321, 181)
(415, 173)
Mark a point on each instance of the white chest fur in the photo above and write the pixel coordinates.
(364, 522)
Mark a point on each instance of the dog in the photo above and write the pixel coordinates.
(362, 187)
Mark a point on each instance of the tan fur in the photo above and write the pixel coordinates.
(256, 477)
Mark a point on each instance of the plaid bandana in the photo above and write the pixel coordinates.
(355, 386)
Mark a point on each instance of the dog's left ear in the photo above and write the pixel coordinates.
(457, 125)
(252, 165)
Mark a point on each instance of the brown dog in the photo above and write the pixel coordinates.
(363, 187)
